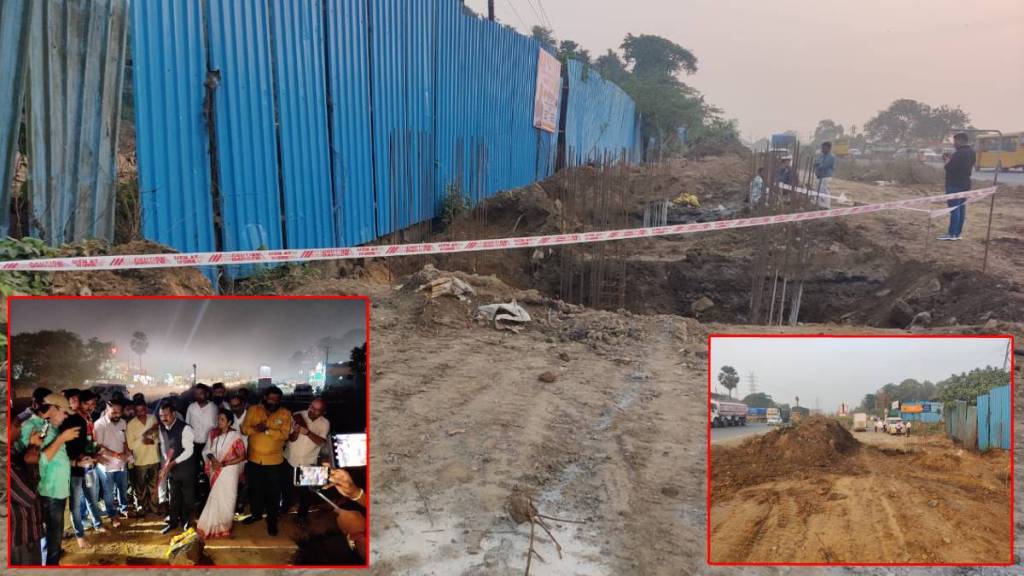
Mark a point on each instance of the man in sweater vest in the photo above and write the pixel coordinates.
(179, 469)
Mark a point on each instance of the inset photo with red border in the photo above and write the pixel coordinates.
(188, 432)
(860, 450)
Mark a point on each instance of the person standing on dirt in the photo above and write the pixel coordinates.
(179, 469)
(786, 172)
(958, 179)
(85, 483)
(26, 515)
(757, 188)
(113, 459)
(824, 169)
(55, 473)
(309, 433)
(268, 426)
(141, 434)
(201, 415)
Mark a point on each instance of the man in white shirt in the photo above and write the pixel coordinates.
(201, 415)
(109, 431)
(310, 430)
(179, 468)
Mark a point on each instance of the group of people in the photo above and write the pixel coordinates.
(824, 169)
(118, 461)
(958, 167)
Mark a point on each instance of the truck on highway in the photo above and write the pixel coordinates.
(728, 414)
(774, 417)
(860, 422)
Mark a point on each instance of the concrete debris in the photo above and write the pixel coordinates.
(509, 316)
(448, 285)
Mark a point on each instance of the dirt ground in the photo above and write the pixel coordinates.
(830, 497)
(614, 436)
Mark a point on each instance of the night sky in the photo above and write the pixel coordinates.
(216, 334)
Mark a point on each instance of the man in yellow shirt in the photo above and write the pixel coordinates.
(142, 435)
(267, 426)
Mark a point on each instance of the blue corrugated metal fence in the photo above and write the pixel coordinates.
(337, 122)
(75, 75)
(985, 426)
(14, 31)
(601, 118)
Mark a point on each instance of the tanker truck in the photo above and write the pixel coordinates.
(728, 414)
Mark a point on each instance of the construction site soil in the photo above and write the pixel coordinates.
(817, 494)
(599, 416)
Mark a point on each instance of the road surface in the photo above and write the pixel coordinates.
(1012, 177)
(719, 435)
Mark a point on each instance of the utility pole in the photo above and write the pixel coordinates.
(490, 10)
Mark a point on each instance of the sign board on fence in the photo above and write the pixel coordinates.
(549, 81)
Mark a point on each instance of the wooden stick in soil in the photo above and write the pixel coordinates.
(529, 551)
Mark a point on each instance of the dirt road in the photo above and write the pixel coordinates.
(884, 499)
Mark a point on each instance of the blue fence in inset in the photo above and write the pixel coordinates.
(985, 426)
(994, 419)
(336, 122)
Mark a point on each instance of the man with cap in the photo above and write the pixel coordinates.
(54, 472)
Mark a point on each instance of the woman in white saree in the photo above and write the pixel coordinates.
(223, 456)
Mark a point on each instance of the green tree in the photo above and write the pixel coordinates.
(826, 131)
(612, 68)
(657, 57)
(357, 361)
(968, 386)
(907, 122)
(546, 37)
(568, 49)
(759, 400)
(728, 378)
(139, 345)
(868, 404)
(56, 358)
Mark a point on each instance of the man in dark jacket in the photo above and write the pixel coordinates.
(958, 179)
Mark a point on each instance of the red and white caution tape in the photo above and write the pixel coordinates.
(384, 251)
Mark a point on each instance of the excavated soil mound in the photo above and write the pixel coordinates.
(817, 443)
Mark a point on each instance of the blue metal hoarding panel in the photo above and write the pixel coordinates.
(76, 71)
(984, 420)
(1000, 418)
(351, 143)
(14, 32)
(485, 141)
(601, 118)
(402, 87)
(302, 112)
(169, 69)
(246, 139)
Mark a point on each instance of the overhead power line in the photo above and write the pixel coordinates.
(516, 12)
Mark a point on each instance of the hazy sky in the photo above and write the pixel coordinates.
(785, 64)
(836, 370)
(217, 335)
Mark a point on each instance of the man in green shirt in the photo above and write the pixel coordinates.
(54, 472)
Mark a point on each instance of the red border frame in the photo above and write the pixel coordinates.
(366, 312)
(707, 510)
